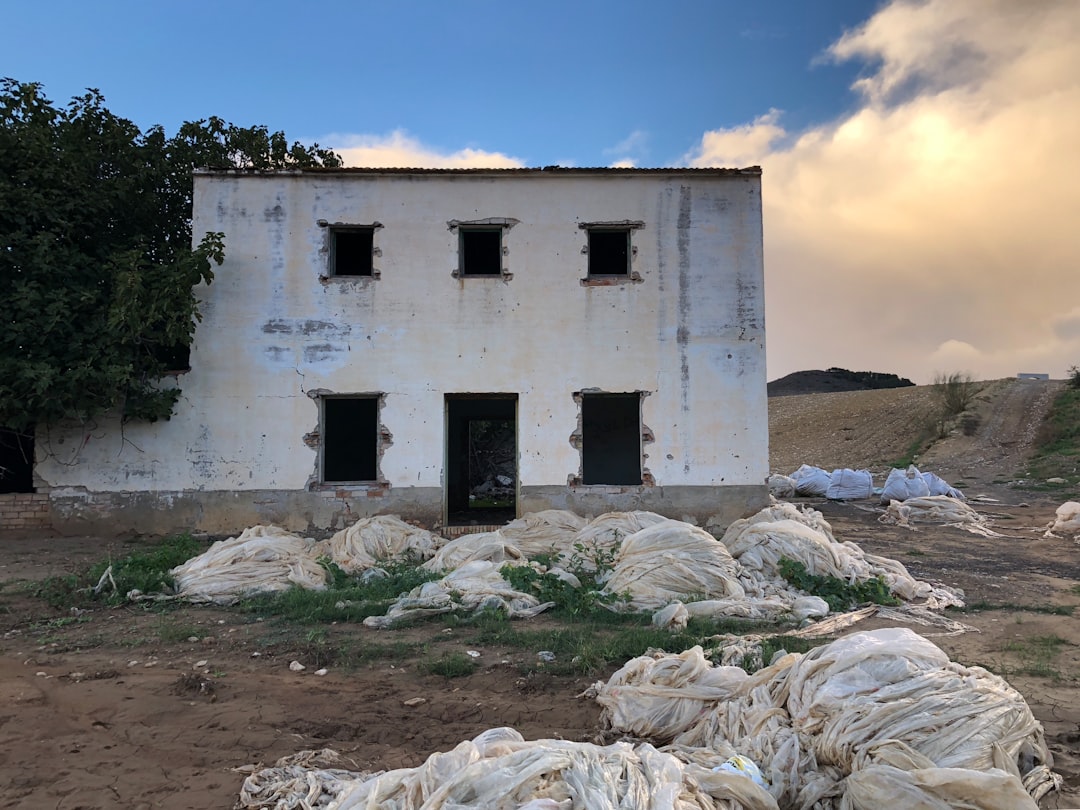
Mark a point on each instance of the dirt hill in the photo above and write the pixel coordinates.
(873, 429)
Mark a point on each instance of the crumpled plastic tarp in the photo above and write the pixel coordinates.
(937, 509)
(855, 723)
(499, 769)
(476, 585)
(372, 540)
(1066, 521)
(811, 481)
(261, 559)
(759, 542)
(850, 485)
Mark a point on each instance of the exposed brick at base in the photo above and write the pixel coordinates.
(24, 510)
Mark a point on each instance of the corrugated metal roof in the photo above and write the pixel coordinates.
(545, 171)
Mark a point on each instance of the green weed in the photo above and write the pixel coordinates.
(110, 581)
(450, 665)
(836, 592)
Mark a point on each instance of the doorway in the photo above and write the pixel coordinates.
(481, 459)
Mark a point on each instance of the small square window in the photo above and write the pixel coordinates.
(611, 439)
(351, 250)
(609, 251)
(350, 439)
(481, 251)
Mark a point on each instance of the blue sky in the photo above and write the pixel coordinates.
(549, 82)
(920, 160)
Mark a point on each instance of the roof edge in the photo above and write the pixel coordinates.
(544, 171)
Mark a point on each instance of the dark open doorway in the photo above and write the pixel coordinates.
(16, 461)
(481, 458)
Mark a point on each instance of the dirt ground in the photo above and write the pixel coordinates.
(137, 709)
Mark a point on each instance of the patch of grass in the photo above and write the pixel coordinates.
(915, 552)
(110, 581)
(1052, 610)
(597, 642)
(347, 599)
(450, 665)
(588, 564)
(912, 453)
(1057, 443)
(1037, 655)
(170, 631)
(836, 592)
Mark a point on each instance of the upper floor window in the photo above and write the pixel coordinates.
(352, 249)
(480, 251)
(610, 252)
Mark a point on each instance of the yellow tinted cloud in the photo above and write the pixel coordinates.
(933, 228)
(400, 150)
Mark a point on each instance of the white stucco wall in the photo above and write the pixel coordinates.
(691, 333)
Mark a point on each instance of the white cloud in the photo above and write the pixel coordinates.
(401, 150)
(934, 224)
(630, 151)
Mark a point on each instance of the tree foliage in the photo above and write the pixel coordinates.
(97, 265)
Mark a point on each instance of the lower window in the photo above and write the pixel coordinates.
(350, 439)
(611, 439)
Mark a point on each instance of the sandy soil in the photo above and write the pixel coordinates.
(131, 708)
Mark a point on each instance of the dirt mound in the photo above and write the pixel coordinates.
(877, 429)
(833, 379)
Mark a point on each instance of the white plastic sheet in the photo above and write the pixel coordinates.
(500, 770)
(261, 559)
(850, 485)
(811, 481)
(887, 705)
(1066, 521)
(904, 484)
(372, 540)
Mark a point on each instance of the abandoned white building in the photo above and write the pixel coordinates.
(451, 346)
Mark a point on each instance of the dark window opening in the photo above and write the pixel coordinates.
(16, 461)
(481, 251)
(609, 252)
(173, 358)
(481, 459)
(351, 250)
(611, 439)
(350, 439)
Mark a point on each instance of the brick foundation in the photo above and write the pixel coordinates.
(24, 510)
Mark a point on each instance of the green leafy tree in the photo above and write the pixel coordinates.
(97, 265)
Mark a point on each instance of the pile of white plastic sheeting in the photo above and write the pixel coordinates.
(372, 540)
(1066, 521)
(308, 780)
(782, 531)
(853, 724)
(262, 559)
(500, 769)
(487, 546)
(551, 531)
(671, 568)
(937, 509)
(848, 485)
(475, 586)
(811, 481)
(781, 486)
(672, 560)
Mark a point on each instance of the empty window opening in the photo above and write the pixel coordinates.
(16, 461)
(611, 439)
(481, 459)
(175, 359)
(481, 251)
(350, 439)
(351, 250)
(609, 251)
